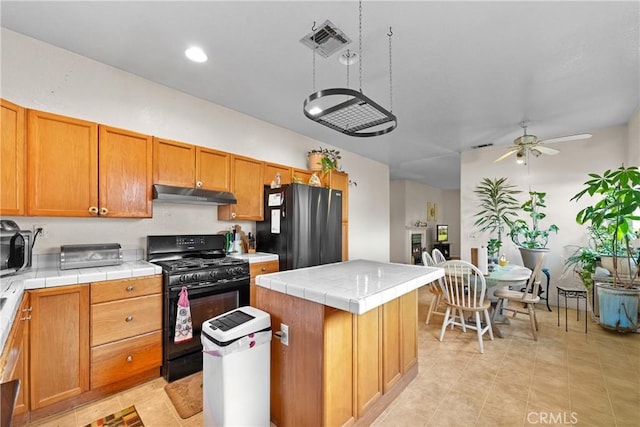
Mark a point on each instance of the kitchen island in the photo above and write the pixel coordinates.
(351, 343)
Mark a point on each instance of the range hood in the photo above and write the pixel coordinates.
(168, 193)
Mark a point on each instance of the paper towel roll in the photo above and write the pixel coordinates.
(483, 260)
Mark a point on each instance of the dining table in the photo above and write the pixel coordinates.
(506, 276)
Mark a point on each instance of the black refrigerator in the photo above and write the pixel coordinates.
(302, 224)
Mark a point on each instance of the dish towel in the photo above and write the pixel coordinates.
(184, 327)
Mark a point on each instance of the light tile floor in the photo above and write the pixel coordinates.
(565, 378)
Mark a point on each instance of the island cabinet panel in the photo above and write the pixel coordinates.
(59, 344)
(409, 329)
(391, 350)
(12, 158)
(334, 370)
(339, 408)
(368, 359)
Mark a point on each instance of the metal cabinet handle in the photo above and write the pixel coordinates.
(129, 358)
(128, 319)
(129, 288)
(104, 211)
(199, 184)
(264, 268)
(93, 210)
(28, 309)
(233, 214)
(26, 318)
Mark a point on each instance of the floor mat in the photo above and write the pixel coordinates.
(186, 394)
(126, 418)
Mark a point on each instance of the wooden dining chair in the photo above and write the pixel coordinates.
(523, 301)
(437, 256)
(464, 290)
(434, 287)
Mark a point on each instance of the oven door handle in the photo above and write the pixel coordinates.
(205, 287)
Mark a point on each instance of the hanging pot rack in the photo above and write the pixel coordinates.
(357, 115)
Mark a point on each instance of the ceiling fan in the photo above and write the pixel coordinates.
(527, 144)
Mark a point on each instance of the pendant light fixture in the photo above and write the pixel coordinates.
(346, 110)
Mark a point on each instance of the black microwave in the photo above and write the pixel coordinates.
(15, 248)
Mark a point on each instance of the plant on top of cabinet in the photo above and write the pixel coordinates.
(77, 168)
(323, 159)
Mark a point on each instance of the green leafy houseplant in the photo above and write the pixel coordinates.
(498, 208)
(615, 211)
(583, 262)
(327, 159)
(532, 237)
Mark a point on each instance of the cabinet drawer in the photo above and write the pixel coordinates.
(126, 288)
(115, 320)
(263, 268)
(122, 359)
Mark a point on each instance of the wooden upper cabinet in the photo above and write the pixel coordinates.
(125, 179)
(340, 181)
(62, 165)
(174, 163)
(247, 177)
(213, 169)
(12, 159)
(186, 165)
(270, 171)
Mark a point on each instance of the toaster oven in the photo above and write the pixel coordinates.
(15, 248)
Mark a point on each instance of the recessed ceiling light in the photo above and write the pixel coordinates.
(196, 54)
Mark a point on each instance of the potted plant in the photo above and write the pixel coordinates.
(497, 210)
(615, 211)
(323, 159)
(532, 240)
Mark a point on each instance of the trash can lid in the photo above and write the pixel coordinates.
(236, 323)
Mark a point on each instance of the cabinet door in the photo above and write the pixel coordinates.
(391, 352)
(125, 160)
(345, 241)
(174, 163)
(62, 165)
(301, 176)
(246, 185)
(270, 171)
(12, 160)
(340, 181)
(59, 344)
(213, 169)
(260, 268)
(409, 329)
(15, 358)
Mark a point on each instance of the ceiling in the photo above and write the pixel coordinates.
(464, 73)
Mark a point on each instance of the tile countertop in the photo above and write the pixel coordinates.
(355, 286)
(13, 287)
(256, 257)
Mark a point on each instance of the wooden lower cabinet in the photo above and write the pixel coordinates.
(59, 344)
(126, 328)
(14, 362)
(260, 268)
(339, 368)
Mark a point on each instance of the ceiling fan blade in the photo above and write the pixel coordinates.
(505, 155)
(546, 150)
(567, 138)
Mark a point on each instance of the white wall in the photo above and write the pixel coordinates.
(633, 133)
(409, 204)
(560, 176)
(40, 76)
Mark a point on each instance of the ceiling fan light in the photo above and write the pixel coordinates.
(520, 157)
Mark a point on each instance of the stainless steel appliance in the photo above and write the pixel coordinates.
(303, 225)
(215, 284)
(15, 248)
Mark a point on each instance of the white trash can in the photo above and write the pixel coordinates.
(236, 368)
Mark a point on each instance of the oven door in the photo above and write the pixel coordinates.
(206, 300)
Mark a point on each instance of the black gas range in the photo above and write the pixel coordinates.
(215, 284)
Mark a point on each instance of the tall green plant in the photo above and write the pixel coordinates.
(616, 210)
(498, 207)
(532, 236)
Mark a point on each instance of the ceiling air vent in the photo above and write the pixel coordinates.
(326, 39)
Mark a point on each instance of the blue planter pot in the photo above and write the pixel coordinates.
(618, 307)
